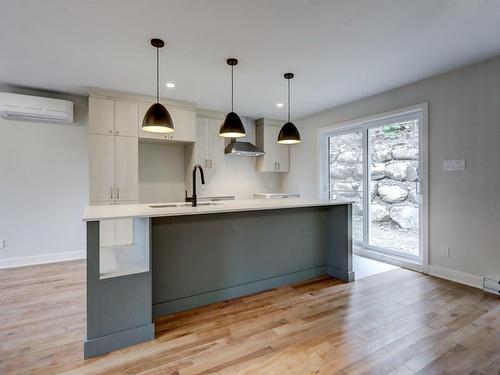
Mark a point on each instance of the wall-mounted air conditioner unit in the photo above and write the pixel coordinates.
(35, 108)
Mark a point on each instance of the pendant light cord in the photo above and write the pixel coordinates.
(157, 75)
(232, 88)
(288, 100)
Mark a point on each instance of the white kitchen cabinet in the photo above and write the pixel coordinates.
(125, 118)
(209, 144)
(277, 156)
(184, 125)
(102, 167)
(126, 168)
(112, 117)
(202, 147)
(101, 116)
(114, 175)
(282, 155)
(216, 144)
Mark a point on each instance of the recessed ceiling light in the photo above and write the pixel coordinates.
(279, 105)
(170, 85)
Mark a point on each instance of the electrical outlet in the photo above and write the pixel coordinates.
(445, 251)
(2, 244)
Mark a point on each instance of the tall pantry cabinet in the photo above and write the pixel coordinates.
(114, 174)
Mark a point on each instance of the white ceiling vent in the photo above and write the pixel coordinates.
(35, 108)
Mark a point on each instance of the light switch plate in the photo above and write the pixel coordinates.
(453, 165)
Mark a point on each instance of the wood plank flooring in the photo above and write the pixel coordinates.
(397, 322)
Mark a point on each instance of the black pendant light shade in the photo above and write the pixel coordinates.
(289, 134)
(157, 119)
(232, 127)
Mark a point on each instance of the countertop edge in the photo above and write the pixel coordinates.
(189, 211)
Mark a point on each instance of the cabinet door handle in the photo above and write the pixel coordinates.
(111, 132)
(205, 163)
(117, 193)
(279, 166)
(210, 163)
(117, 132)
(110, 193)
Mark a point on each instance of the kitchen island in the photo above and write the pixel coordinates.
(180, 257)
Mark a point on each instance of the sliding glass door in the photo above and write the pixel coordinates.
(378, 165)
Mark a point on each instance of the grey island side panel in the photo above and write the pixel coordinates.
(119, 308)
(201, 259)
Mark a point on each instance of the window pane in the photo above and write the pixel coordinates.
(346, 176)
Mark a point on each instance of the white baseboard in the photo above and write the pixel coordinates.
(457, 276)
(41, 259)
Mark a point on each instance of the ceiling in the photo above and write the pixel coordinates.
(339, 50)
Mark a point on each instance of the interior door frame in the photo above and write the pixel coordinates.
(362, 124)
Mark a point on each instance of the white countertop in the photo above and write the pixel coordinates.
(121, 211)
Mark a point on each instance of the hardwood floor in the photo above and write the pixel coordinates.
(397, 322)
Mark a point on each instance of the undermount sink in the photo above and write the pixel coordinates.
(172, 205)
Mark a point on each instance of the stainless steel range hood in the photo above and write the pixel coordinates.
(241, 148)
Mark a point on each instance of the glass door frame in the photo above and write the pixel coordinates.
(387, 255)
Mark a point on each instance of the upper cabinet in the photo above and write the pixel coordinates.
(209, 144)
(277, 156)
(112, 117)
(184, 125)
(101, 116)
(125, 115)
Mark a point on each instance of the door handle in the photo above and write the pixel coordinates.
(418, 189)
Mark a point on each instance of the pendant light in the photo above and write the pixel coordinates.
(289, 134)
(157, 119)
(232, 127)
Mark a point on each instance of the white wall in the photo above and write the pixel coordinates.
(238, 177)
(161, 172)
(464, 123)
(43, 187)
